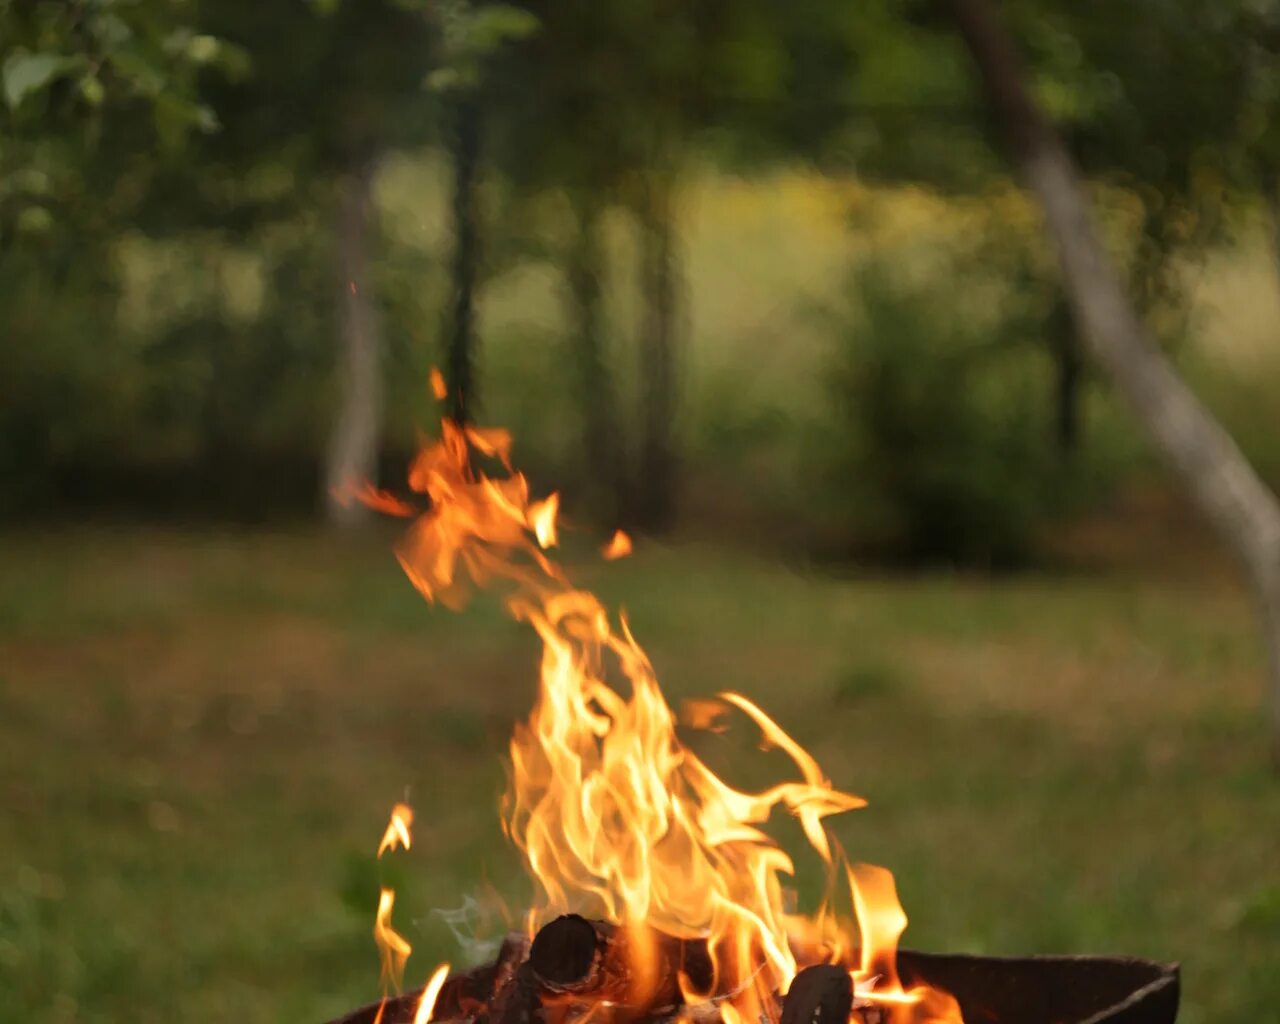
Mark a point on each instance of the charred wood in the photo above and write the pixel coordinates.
(516, 1000)
(465, 995)
(575, 958)
(568, 953)
(821, 994)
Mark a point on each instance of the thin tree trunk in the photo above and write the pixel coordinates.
(353, 450)
(460, 359)
(660, 273)
(598, 399)
(1217, 475)
(1069, 378)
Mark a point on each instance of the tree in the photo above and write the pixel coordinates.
(585, 264)
(473, 33)
(606, 105)
(319, 120)
(1218, 477)
(77, 76)
(354, 444)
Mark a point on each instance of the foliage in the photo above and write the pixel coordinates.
(81, 82)
(942, 451)
(211, 374)
(208, 138)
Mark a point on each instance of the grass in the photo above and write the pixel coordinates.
(201, 734)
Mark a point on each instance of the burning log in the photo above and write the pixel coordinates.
(573, 958)
(464, 996)
(568, 953)
(516, 1001)
(821, 994)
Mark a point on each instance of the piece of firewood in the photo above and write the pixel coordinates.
(567, 954)
(867, 1012)
(821, 994)
(575, 959)
(516, 999)
(463, 996)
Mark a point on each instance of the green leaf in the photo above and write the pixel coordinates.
(443, 79)
(111, 30)
(138, 70)
(34, 220)
(202, 49)
(176, 115)
(92, 91)
(233, 61)
(492, 26)
(30, 180)
(26, 73)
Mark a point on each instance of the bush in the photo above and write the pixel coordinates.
(942, 452)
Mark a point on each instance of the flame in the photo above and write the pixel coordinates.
(393, 949)
(397, 833)
(542, 517)
(439, 389)
(430, 994)
(614, 815)
(619, 546)
(365, 493)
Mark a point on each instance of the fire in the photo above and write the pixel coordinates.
(367, 494)
(397, 833)
(542, 518)
(617, 818)
(393, 949)
(430, 994)
(619, 546)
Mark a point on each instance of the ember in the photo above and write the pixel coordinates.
(661, 897)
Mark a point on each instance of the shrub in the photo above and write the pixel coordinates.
(941, 452)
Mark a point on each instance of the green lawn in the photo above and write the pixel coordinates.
(201, 734)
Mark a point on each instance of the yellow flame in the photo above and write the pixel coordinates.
(392, 948)
(427, 1004)
(542, 517)
(615, 816)
(397, 833)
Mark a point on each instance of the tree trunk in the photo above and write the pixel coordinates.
(598, 400)
(1069, 378)
(1217, 475)
(353, 450)
(460, 359)
(659, 283)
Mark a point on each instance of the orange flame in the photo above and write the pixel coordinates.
(619, 546)
(615, 816)
(439, 389)
(427, 1004)
(367, 494)
(393, 949)
(397, 833)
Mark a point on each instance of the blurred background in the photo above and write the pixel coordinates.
(751, 280)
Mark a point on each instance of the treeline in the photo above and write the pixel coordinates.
(203, 309)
